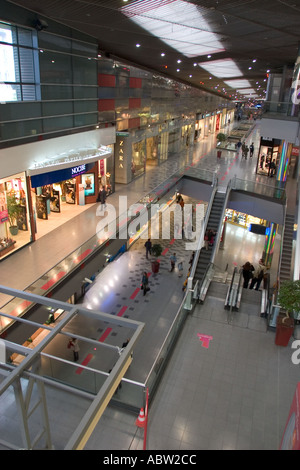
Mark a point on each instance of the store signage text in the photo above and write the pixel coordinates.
(121, 154)
(77, 170)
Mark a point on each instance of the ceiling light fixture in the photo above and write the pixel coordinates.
(192, 38)
(138, 45)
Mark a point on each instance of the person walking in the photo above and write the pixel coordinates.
(145, 283)
(246, 151)
(173, 260)
(251, 150)
(148, 246)
(258, 275)
(238, 146)
(73, 344)
(247, 273)
(102, 198)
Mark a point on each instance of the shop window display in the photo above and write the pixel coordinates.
(14, 224)
(138, 162)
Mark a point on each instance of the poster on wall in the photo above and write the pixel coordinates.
(88, 181)
(55, 201)
(3, 208)
(41, 207)
(70, 193)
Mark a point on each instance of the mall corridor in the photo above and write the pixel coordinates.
(235, 394)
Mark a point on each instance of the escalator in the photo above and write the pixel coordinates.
(287, 249)
(214, 223)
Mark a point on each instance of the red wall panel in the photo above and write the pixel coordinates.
(106, 105)
(106, 80)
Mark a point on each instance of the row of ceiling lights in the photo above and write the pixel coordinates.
(210, 78)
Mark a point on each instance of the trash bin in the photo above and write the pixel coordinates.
(155, 266)
(219, 153)
(284, 330)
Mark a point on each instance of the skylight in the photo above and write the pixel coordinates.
(192, 37)
(246, 91)
(238, 83)
(222, 68)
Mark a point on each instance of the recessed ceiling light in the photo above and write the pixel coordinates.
(178, 61)
(178, 70)
(138, 45)
(190, 76)
(209, 56)
(254, 60)
(163, 54)
(249, 68)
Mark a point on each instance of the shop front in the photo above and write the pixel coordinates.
(268, 156)
(15, 227)
(59, 195)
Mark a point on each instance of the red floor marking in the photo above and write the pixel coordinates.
(122, 311)
(55, 278)
(133, 296)
(84, 363)
(165, 251)
(20, 308)
(83, 255)
(172, 241)
(105, 335)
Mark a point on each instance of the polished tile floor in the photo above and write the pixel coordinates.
(234, 395)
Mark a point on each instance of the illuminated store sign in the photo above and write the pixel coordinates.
(78, 170)
(59, 175)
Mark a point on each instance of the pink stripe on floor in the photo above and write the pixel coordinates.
(83, 255)
(54, 280)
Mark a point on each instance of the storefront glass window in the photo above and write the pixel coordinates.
(152, 150)
(138, 161)
(163, 146)
(14, 221)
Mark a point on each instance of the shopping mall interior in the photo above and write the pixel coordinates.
(90, 358)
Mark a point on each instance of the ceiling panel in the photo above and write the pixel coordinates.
(186, 30)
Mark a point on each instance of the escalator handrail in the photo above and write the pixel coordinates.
(219, 231)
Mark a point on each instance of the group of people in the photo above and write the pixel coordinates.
(255, 274)
(209, 238)
(245, 149)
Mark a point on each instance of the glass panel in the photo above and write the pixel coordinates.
(56, 92)
(53, 42)
(85, 106)
(9, 70)
(20, 129)
(28, 92)
(7, 34)
(82, 48)
(85, 92)
(26, 65)
(84, 71)
(10, 92)
(138, 161)
(13, 111)
(58, 107)
(24, 37)
(14, 220)
(57, 123)
(55, 68)
(86, 120)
